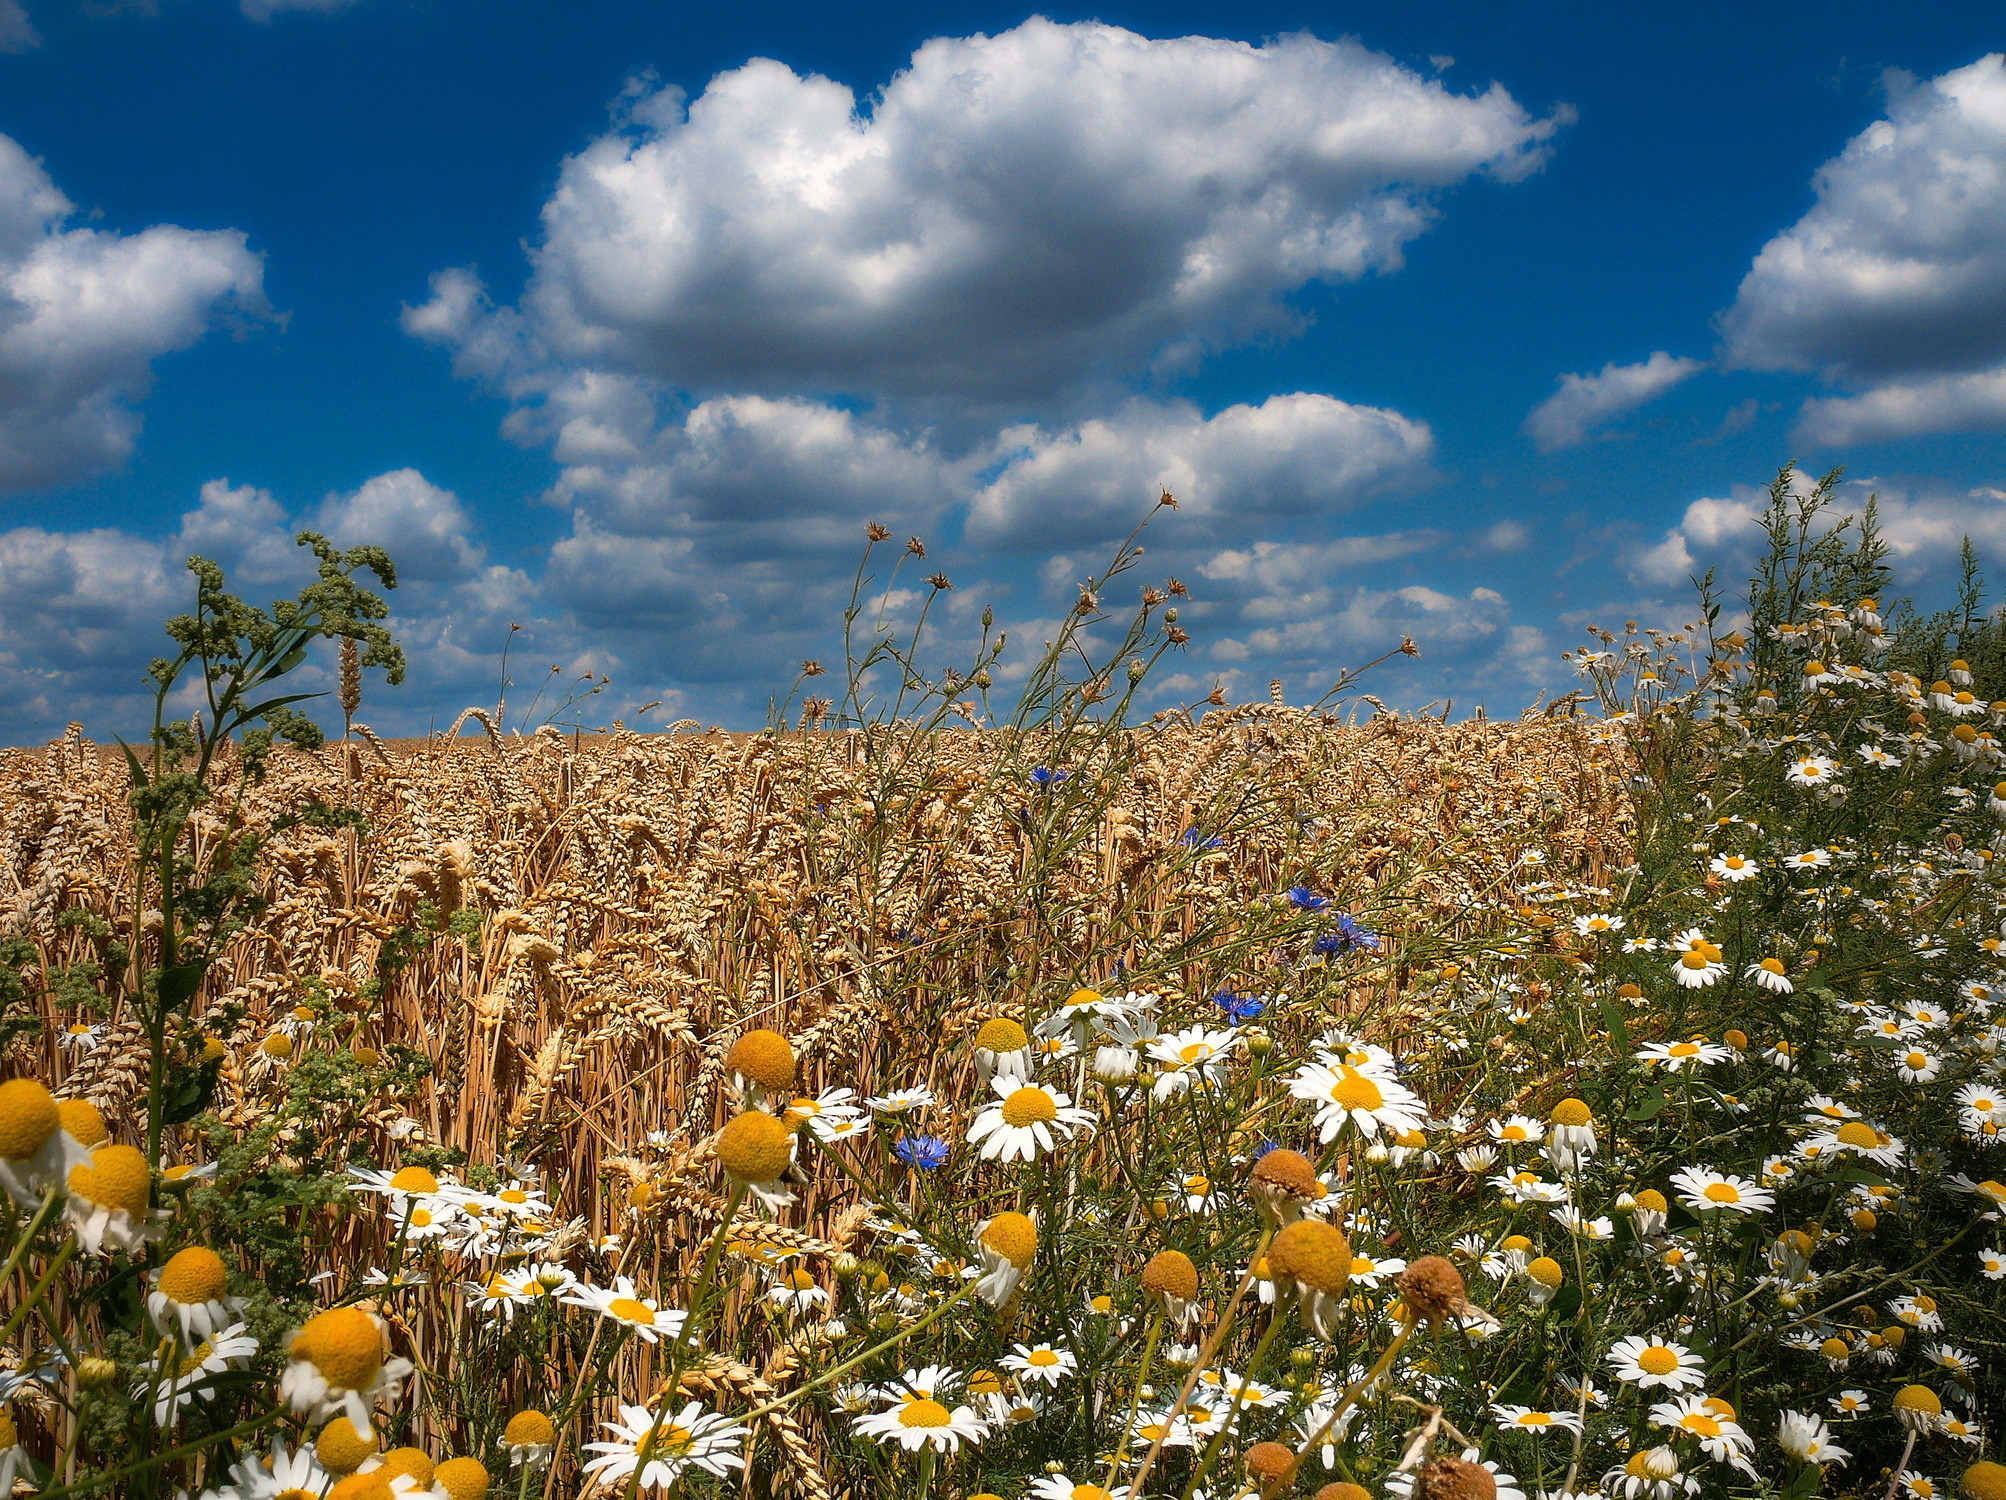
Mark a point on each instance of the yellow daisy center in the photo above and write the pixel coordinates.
(194, 1276)
(631, 1310)
(924, 1414)
(1354, 1090)
(28, 1117)
(1657, 1360)
(1029, 1106)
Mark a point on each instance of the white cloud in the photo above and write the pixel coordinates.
(1923, 522)
(1906, 408)
(83, 314)
(17, 32)
(424, 527)
(80, 611)
(1584, 402)
(1896, 279)
(264, 10)
(1290, 458)
(1010, 215)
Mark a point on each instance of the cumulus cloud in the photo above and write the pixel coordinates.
(1895, 281)
(1291, 457)
(80, 611)
(424, 527)
(1924, 523)
(1585, 402)
(1008, 216)
(83, 315)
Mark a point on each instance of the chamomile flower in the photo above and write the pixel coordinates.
(1704, 1190)
(1516, 1130)
(191, 1295)
(902, 1101)
(1527, 1419)
(1195, 1057)
(1804, 1435)
(1044, 1363)
(1914, 1065)
(624, 1305)
(1707, 1420)
(1733, 868)
(915, 1422)
(1656, 1362)
(1809, 859)
(184, 1377)
(1594, 923)
(1771, 975)
(1061, 1487)
(1026, 1121)
(1812, 771)
(1673, 1057)
(1368, 1098)
(661, 1448)
(797, 1290)
(339, 1364)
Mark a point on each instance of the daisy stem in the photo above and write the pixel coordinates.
(967, 1290)
(1211, 1347)
(28, 1236)
(698, 1289)
(926, 1471)
(1135, 1397)
(1356, 1389)
(172, 1455)
(1901, 1467)
(56, 1262)
(1212, 1449)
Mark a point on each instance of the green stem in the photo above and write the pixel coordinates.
(1355, 1390)
(967, 1290)
(56, 1262)
(1212, 1449)
(1135, 1397)
(172, 1455)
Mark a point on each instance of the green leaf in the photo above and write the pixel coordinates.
(1649, 1107)
(188, 1095)
(132, 764)
(179, 984)
(1612, 1020)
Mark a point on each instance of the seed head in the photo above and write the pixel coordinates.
(1433, 1290)
(1984, 1480)
(462, 1479)
(28, 1117)
(764, 1057)
(1013, 1236)
(1171, 1274)
(1270, 1465)
(1313, 1253)
(755, 1147)
(1454, 1479)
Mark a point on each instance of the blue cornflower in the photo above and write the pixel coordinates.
(923, 1151)
(1302, 898)
(1265, 1147)
(1193, 839)
(1350, 937)
(1046, 776)
(1239, 1007)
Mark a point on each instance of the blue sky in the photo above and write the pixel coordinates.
(618, 335)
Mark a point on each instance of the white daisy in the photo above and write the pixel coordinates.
(1656, 1362)
(1027, 1120)
(660, 1448)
